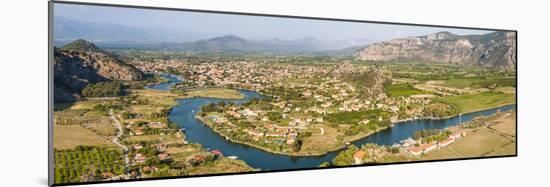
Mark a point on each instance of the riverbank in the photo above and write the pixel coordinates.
(498, 138)
(339, 147)
(297, 154)
(210, 125)
(490, 135)
(179, 148)
(447, 117)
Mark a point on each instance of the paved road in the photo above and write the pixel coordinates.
(119, 134)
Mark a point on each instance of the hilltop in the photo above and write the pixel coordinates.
(82, 45)
(81, 63)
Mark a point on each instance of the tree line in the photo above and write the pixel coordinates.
(104, 89)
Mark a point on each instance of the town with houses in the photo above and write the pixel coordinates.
(300, 103)
(232, 105)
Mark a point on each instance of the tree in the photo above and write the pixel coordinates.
(345, 158)
(297, 145)
(274, 116)
(103, 89)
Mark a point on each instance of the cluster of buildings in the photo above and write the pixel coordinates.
(369, 154)
(264, 128)
(427, 147)
(274, 134)
(162, 155)
(138, 130)
(307, 83)
(331, 93)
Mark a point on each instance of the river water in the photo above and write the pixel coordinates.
(184, 113)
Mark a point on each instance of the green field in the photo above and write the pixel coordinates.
(398, 90)
(479, 82)
(479, 101)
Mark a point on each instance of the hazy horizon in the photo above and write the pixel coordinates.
(198, 25)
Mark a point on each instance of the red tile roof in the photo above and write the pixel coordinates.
(200, 157)
(216, 152)
(359, 154)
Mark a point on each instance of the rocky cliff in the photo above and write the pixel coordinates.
(492, 50)
(80, 63)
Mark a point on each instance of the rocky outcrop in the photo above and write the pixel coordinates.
(80, 66)
(492, 50)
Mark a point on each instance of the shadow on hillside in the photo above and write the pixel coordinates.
(62, 105)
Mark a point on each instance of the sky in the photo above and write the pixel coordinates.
(248, 27)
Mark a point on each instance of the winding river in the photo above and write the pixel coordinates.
(184, 112)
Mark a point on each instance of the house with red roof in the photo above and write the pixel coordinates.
(139, 158)
(137, 146)
(445, 142)
(163, 156)
(359, 156)
(148, 169)
(217, 152)
(200, 157)
(107, 175)
(255, 134)
(422, 149)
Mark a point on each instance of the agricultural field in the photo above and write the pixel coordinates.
(479, 82)
(71, 136)
(496, 139)
(398, 90)
(504, 125)
(480, 101)
(170, 138)
(87, 163)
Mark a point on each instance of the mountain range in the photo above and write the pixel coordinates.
(491, 50)
(231, 43)
(66, 30)
(107, 35)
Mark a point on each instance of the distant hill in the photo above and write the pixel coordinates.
(108, 35)
(66, 30)
(80, 63)
(217, 44)
(231, 43)
(492, 50)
